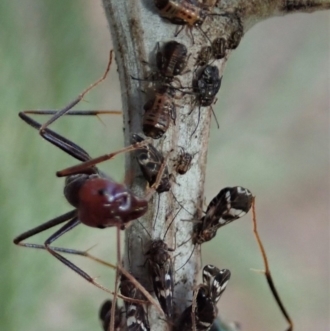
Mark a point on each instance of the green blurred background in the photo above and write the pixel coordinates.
(273, 110)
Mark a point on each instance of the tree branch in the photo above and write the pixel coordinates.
(136, 27)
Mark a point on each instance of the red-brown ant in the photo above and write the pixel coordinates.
(98, 200)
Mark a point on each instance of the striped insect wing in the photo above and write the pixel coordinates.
(216, 280)
(161, 269)
(219, 284)
(204, 314)
(135, 314)
(209, 272)
(104, 315)
(206, 310)
(238, 201)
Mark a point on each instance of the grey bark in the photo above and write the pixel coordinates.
(136, 27)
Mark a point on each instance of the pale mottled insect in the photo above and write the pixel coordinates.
(183, 162)
(150, 161)
(204, 56)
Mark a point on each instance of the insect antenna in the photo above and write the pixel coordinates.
(267, 270)
(192, 252)
(199, 117)
(78, 99)
(158, 203)
(179, 203)
(204, 34)
(215, 117)
(171, 223)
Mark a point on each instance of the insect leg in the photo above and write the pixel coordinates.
(59, 141)
(77, 100)
(74, 112)
(64, 229)
(267, 270)
(91, 162)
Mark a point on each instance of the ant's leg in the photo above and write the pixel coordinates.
(47, 225)
(59, 141)
(43, 227)
(267, 270)
(88, 164)
(64, 229)
(77, 100)
(74, 112)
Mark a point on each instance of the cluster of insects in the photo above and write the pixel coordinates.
(99, 201)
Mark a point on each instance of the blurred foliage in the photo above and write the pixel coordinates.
(273, 111)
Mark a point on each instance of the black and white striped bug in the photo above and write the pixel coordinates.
(230, 204)
(216, 280)
(161, 270)
(104, 315)
(204, 313)
(150, 161)
(136, 318)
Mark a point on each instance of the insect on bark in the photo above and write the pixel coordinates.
(230, 204)
(187, 13)
(160, 110)
(205, 87)
(216, 280)
(183, 162)
(171, 60)
(136, 317)
(161, 269)
(202, 313)
(150, 161)
(104, 315)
